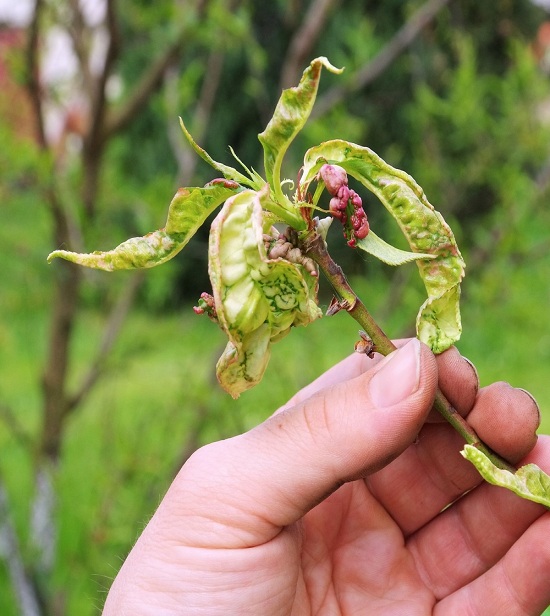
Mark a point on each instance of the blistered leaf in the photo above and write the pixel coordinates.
(288, 119)
(257, 299)
(529, 481)
(438, 322)
(387, 253)
(188, 210)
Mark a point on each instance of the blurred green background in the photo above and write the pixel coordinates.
(107, 381)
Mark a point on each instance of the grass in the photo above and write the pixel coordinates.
(159, 400)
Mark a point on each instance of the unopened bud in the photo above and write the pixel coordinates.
(363, 230)
(356, 200)
(343, 194)
(336, 205)
(356, 221)
(334, 177)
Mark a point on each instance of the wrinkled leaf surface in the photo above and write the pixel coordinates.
(257, 299)
(529, 481)
(438, 322)
(188, 210)
(289, 117)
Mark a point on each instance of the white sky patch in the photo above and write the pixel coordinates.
(19, 12)
(16, 13)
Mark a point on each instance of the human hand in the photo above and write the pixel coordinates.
(334, 506)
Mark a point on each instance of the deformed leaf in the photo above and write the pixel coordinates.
(137, 252)
(289, 117)
(387, 253)
(438, 322)
(188, 210)
(257, 299)
(529, 481)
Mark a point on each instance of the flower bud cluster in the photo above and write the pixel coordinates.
(206, 306)
(281, 248)
(346, 205)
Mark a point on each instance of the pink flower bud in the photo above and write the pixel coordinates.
(356, 200)
(343, 194)
(337, 204)
(356, 221)
(334, 177)
(363, 230)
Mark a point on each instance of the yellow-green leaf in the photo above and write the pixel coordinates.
(438, 322)
(387, 253)
(188, 210)
(257, 298)
(529, 481)
(289, 117)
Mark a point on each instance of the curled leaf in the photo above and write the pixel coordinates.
(289, 117)
(188, 210)
(387, 253)
(257, 299)
(529, 481)
(439, 260)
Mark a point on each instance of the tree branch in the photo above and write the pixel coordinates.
(186, 157)
(19, 433)
(77, 31)
(304, 40)
(385, 57)
(150, 81)
(32, 77)
(96, 136)
(110, 333)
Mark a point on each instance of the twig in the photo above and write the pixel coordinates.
(385, 57)
(14, 426)
(314, 246)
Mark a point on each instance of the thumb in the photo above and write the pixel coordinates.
(270, 477)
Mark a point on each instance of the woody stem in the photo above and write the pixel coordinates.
(315, 247)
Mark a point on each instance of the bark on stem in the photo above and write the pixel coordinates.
(315, 247)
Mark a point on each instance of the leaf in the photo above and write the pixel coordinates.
(387, 253)
(227, 171)
(529, 481)
(289, 117)
(188, 210)
(438, 322)
(257, 299)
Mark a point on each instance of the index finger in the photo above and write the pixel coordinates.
(430, 474)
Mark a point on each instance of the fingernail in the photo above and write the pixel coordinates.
(528, 393)
(398, 376)
(472, 366)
